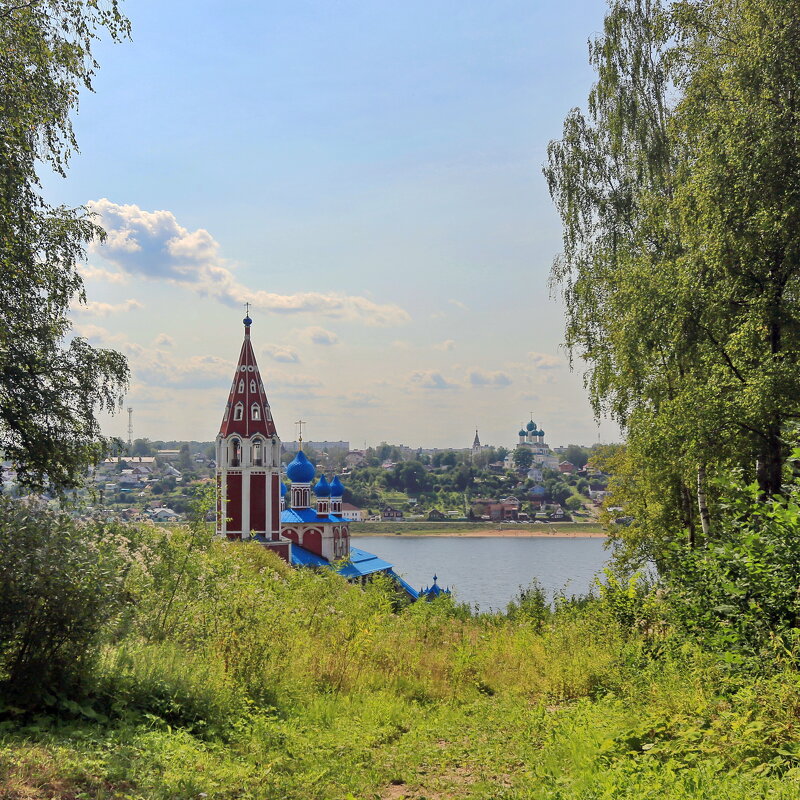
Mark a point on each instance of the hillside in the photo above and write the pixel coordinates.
(218, 672)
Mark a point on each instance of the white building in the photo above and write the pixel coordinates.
(352, 513)
(532, 438)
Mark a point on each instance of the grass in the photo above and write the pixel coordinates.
(232, 676)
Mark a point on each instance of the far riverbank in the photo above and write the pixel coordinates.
(555, 530)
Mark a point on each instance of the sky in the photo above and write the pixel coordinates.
(368, 176)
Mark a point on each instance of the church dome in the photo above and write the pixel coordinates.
(300, 470)
(540, 433)
(522, 432)
(531, 426)
(323, 488)
(337, 488)
(283, 489)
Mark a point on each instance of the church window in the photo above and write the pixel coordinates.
(235, 452)
(251, 368)
(238, 412)
(241, 386)
(258, 453)
(255, 412)
(227, 410)
(253, 389)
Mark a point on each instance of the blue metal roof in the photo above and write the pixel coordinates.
(407, 586)
(295, 515)
(305, 558)
(360, 564)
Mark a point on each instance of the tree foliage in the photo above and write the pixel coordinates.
(50, 388)
(523, 458)
(678, 191)
(60, 584)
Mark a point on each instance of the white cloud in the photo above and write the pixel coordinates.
(294, 382)
(282, 353)
(458, 304)
(430, 379)
(163, 340)
(154, 245)
(543, 361)
(156, 368)
(197, 372)
(89, 272)
(102, 337)
(98, 309)
(479, 377)
(361, 400)
(446, 345)
(317, 335)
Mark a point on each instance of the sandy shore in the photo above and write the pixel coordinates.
(499, 533)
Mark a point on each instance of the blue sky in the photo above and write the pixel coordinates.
(368, 175)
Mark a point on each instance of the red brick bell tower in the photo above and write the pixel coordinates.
(249, 458)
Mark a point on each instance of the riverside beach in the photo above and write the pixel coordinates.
(554, 530)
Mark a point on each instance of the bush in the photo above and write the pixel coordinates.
(60, 584)
(739, 591)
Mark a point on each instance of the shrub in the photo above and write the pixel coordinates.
(60, 583)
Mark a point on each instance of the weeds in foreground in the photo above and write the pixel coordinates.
(250, 680)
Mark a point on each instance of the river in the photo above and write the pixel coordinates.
(487, 572)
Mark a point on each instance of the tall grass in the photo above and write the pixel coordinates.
(230, 675)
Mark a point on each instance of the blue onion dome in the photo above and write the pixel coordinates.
(247, 321)
(323, 488)
(540, 433)
(300, 470)
(337, 488)
(531, 426)
(522, 432)
(283, 489)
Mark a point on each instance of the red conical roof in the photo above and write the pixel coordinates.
(247, 412)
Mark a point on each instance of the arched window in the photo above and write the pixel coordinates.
(235, 451)
(227, 410)
(238, 412)
(253, 388)
(241, 386)
(258, 453)
(255, 412)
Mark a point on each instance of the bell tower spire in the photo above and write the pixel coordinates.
(249, 457)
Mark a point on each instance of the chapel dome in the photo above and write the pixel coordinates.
(337, 488)
(323, 488)
(300, 470)
(531, 426)
(522, 432)
(283, 489)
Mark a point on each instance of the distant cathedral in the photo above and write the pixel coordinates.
(251, 497)
(531, 437)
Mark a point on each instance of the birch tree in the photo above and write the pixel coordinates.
(677, 191)
(51, 387)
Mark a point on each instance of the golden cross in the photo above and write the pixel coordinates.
(300, 424)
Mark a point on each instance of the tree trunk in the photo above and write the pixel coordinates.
(769, 467)
(688, 516)
(702, 501)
